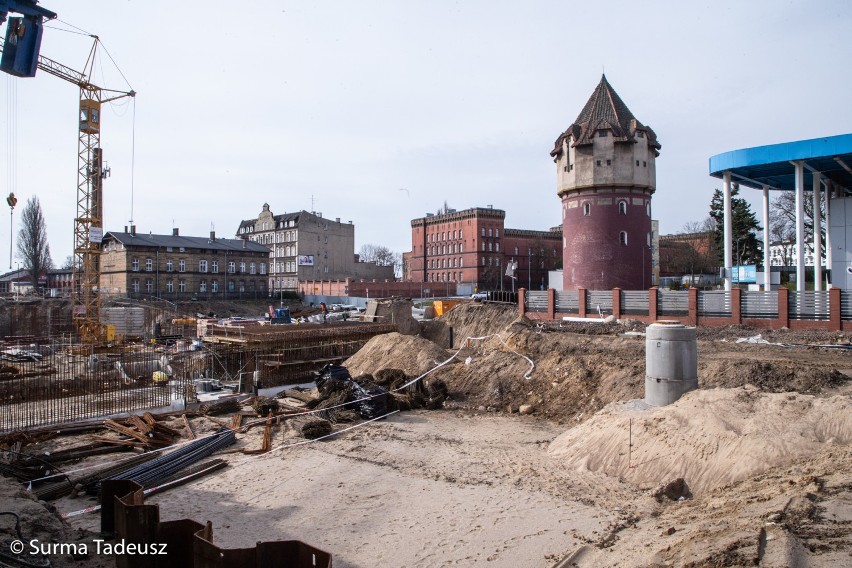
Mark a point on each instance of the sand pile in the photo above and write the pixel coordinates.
(711, 438)
(412, 354)
(473, 319)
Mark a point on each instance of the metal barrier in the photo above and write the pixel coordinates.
(714, 304)
(634, 302)
(759, 305)
(568, 302)
(845, 305)
(536, 301)
(808, 305)
(672, 303)
(599, 302)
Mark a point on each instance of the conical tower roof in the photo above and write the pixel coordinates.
(605, 111)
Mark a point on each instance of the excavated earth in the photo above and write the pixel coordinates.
(545, 455)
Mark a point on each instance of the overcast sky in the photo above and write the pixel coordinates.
(378, 112)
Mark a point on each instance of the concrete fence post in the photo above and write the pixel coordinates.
(581, 302)
(551, 304)
(652, 304)
(522, 301)
(616, 303)
(834, 314)
(784, 306)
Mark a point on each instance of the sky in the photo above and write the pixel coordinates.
(379, 112)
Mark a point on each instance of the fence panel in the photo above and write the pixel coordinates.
(536, 301)
(761, 305)
(672, 303)
(716, 304)
(634, 302)
(808, 305)
(845, 305)
(599, 302)
(568, 302)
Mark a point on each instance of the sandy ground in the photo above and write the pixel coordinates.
(765, 448)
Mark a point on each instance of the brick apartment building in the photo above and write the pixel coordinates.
(175, 267)
(473, 247)
(305, 246)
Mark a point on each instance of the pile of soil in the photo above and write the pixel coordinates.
(413, 355)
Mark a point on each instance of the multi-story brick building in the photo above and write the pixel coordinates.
(178, 267)
(472, 247)
(305, 246)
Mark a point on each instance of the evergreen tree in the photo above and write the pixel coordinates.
(744, 228)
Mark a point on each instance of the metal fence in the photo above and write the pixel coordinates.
(672, 303)
(536, 301)
(634, 302)
(759, 305)
(599, 302)
(568, 302)
(846, 305)
(808, 305)
(714, 304)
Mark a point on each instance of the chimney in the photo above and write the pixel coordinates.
(212, 235)
(175, 232)
(125, 228)
(133, 230)
(337, 219)
(245, 243)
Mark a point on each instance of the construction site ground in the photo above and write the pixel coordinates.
(556, 464)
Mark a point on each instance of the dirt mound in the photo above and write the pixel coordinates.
(414, 355)
(473, 319)
(710, 438)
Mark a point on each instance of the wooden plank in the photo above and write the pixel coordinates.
(188, 427)
(129, 432)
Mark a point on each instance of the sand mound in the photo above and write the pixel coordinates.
(711, 438)
(412, 354)
(473, 319)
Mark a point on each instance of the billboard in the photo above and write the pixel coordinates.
(746, 274)
(306, 260)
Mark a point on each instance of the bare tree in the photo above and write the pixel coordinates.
(33, 248)
(782, 223)
(381, 255)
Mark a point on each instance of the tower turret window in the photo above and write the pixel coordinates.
(622, 208)
(587, 208)
(622, 238)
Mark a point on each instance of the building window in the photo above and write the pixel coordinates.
(242, 285)
(483, 247)
(516, 251)
(134, 265)
(252, 268)
(181, 285)
(609, 162)
(461, 262)
(202, 266)
(170, 266)
(602, 133)
(622, 238)
(598, 162)
(640, 134)
(232, 267)
(496, 233)
(214, 267)
(497, 247)
(202, 286)
(149, 265)
(587, 208)
(149, 286)
(214, 286)
(490, 233)
(461, 247)
(483, 231)
(622, 208)
(181, 265)
(483, 261)
(648, 208)
(170, 286)
(490, 247)
(637, 162)
(644, 164)
(263, 268)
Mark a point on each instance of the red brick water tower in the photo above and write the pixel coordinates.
(605, 168)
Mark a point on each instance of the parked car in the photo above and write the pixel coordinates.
(479, 296)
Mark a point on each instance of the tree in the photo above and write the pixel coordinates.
(33, 249)
(382, 256)
(68, 264)
(744, 228)
(782, 223)
(693, 250)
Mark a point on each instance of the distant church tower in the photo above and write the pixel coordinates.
(605, 178)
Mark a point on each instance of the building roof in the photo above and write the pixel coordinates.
(605, 111)
(770, 165)
(454, 215)
(176, 241)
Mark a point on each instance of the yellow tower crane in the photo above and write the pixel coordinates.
(88, 224)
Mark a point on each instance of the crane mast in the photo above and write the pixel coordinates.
(88, 222)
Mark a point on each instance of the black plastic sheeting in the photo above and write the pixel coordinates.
(370, 402)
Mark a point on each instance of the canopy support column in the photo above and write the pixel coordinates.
(800, 225)
(767, 277)
(726, 221)
(817, 234)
